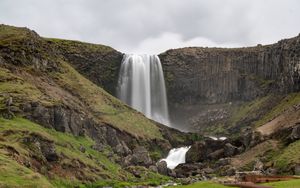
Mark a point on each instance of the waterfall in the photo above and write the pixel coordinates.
(176, 156)
(141, 85)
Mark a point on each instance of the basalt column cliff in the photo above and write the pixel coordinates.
(209, 86)
(213, 90)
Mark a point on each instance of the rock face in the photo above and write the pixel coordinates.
(203, 79)
(210, 149)
(205, 86)
(98, 63)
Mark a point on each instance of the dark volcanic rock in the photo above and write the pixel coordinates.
(188, 169)
(44, 146)
(140, 156)
(295, 135)
(162, 167)
(201, 80)
(230, 150)
(205, 150)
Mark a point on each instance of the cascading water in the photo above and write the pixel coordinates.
(176, 156)
(141, 85)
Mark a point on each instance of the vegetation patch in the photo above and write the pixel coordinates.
(285, 184)
(12, 174)
(288, 101)
(289, 155)
(92, 164)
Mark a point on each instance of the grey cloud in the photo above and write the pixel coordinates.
(133, 25)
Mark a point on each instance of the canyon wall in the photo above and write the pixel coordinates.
(214, 80)
(208, 88)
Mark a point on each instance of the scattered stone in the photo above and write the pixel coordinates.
(295, 135)
(223, 162)
(208, 170)
(188, 169)
(82, 148)
(230, 171)
(98, 147)
(122, 149)
(82, 132)
(216, 154)
(162, 167)
(186, 181)
(141, 157)
(271, 171)
(172, 173)
(230, 150)
(153, 168)
(258, 166)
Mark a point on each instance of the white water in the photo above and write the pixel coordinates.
(176, 156)
(141, 85)
(216, 138)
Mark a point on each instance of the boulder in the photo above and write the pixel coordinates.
(251, 138)
(208, 170)
(139, 157)
(230, 150)
(188, 169)
(162, 167)
(126, 161)
(186, 181)
(43, 147)
(271, 171)
(82, 149)
(137, 171)
(258, 165)
(230, 171)
(171, 173)
(295, 135)
(122, 149)
(216, 154)
(111, 137)
(223, 162)
(99, 147)
(153, 168)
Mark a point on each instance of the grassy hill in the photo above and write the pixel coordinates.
(61, 129)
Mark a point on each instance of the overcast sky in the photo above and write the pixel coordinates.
(153, 26)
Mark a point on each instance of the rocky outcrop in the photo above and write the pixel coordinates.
(216, 75)
(204, 79)
(98, 63)
(43, 148)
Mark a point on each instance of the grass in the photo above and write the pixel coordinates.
(203, 184)
(10, 33)
(106, 107)
(288, 101)
(12, 174)
(246, 109)
(76, 47)
(289, 155)
(285, 184)
(19, 89)
(65, 143)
